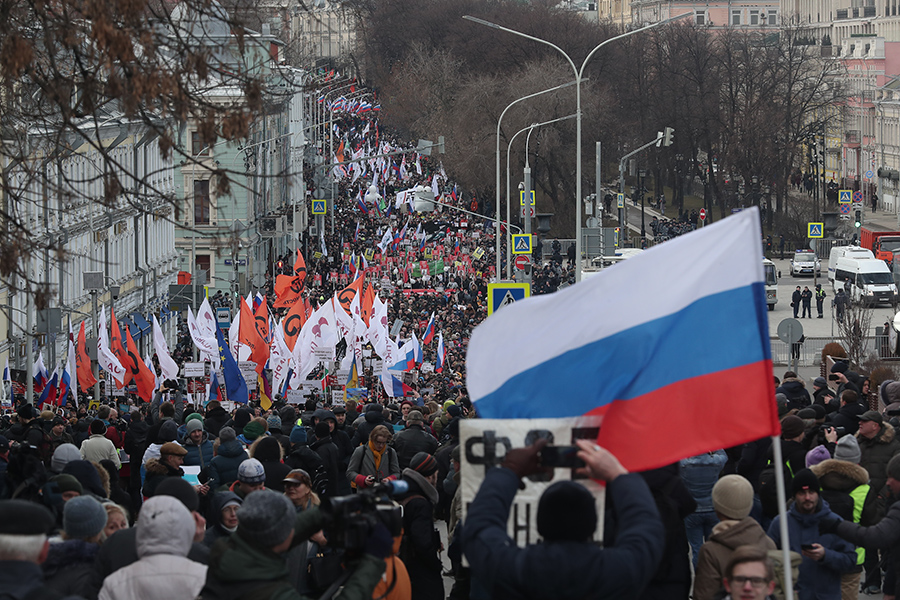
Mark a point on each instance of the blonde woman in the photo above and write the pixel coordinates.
(116, 519)
(374, 462)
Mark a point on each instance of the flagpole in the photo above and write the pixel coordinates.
(782, 518)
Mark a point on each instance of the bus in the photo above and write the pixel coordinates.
(771, 279)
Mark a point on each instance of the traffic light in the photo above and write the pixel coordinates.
(858, 218)
(280, 264)
(668, 134)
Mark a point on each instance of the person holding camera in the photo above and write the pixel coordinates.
(421, 545)
(374, 462)
(568, 564)
(251, 563)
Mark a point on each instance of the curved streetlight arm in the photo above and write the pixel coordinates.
(524, 35)
(475, 214)
(497, 188)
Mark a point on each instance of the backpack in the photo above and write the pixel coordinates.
(25, 474)
(768, 491)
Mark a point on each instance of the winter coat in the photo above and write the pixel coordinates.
(847, 416)
(97, 448)
(412, 440)
(716, 552)
(369, 421)
(875, 454)
(795, 391)
(214, 529)
(362, 464)
(20, 579)
(818, 580)
(276, 471)
(699, 474)
(67, 569)
(838, 478)
(157, 471)
(421, 545)
(885, 535)
(215, 420)
(754, 458)
(301, 457)
(163, 571)
(239, 568)
(223, 468)
(198, 455)
(615, 572)
(328, 452)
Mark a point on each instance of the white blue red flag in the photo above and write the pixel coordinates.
(671, 347)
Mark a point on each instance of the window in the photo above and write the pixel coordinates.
(754, 17)
(198, 148)
(736, 17)
(773, 17)
(201, 202)
(201, 268)
(700, 17)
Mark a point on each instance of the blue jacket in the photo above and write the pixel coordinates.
(699, 474)
(223, 468)
(818, 580)
(583, 569)
(193, 456)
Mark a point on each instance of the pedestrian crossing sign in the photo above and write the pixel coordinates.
(815, 230)
(521, 243)
(506, 293)
(522, 198)
(844, 196)
(319, 207)
(620, 200)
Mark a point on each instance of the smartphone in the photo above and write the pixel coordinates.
(806, 546)
(563, 457)
(832, 377)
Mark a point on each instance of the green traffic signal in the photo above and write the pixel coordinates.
(858, 218)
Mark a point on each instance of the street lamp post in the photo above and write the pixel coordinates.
(578, 79)
(641, 174)
(497, 208)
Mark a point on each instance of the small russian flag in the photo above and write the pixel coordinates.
(429, 331)
(441, 355)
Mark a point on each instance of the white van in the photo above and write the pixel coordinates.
(845, 252)
(867, 280)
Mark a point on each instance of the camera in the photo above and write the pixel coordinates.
(838, 430)
(354, 517)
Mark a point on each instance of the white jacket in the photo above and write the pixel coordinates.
(165, 532)
(97, 448)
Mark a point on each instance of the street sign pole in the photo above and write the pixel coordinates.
(526, 204)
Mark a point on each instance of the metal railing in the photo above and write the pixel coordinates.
(810, 351)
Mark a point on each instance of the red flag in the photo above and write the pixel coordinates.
(86, 379)
(248, 334)
(118, 349)
(143, 377)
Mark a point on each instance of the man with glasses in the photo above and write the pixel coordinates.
(749, 574)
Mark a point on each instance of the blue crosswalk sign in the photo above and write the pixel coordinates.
(815, 230)
(844, 196)
(506, 293)
(521, 243)
(319, 207)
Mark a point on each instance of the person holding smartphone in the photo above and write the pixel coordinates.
(825, 556)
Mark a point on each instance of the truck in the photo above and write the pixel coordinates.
(881, 243)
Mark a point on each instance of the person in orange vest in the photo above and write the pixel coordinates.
(394, 583)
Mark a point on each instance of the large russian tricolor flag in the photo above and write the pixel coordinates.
(671, 347)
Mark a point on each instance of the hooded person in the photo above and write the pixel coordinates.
(230, 453)
(88, 476)
(420, 548)
(794, 389)
(63, 455)
(330, 455)
(251, 563)
(67, 569)
(732, 499)
(373, 417)
(216, 418)
(242, 416)
(164, 534)
(222, 517)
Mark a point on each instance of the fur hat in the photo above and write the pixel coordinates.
(732, 497)
(847, 449)
(415, 416)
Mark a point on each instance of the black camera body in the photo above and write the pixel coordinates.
(354, 517)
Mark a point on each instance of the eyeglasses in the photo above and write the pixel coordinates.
(756, 582)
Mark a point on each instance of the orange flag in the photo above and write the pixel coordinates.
(118, 349)
(346, 295)
(367, 303)
(262, 320)
(143, 377)
(293, 322)
(300, 267)
(249, 334)
(287, 290)
(86, 379)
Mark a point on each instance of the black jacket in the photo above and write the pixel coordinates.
(301, 457)
(847, 416)
(215, 420)
(412, 440)
(328, 452)
(421, 545)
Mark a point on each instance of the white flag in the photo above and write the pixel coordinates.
(280, 359)
(166, 364)
(105, 357)
(207, 345)
(72, 367)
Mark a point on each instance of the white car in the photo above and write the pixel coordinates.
(804, 262)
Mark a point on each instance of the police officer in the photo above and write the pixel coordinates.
(820, 300)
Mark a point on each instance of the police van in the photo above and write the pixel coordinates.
(805, 262)
(868, 281)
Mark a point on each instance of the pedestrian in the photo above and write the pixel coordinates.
(839, 303)
(24, 527)
(806, 299)
(795, 301)
(750, 575)
(98, 446)
(825, 556)
(171, 457)
(781, 245)
(421, 545)
(566, 520)
(820, 300)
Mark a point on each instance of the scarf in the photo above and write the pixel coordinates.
(377, 454)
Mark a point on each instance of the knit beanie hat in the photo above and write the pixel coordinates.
(274, 422)
(423, 463)
(820, 382)
(62, 456)
(732, 497)
(83, 517)
(168, 432)
(251, 471)
(266, 518)
(181, 490)
(241, 417)
(454, 411)
(253, 430)
(194, 425)
(448, 404)
(804, 480)
(67, 483)
(567, 512)
(193, 417)
(839, 367)
(782, 403)
(227, 434)
(807, 413)
(791, 427)
(86, 474)
(298, 434)
(817, 455)
(322, 429)
(847, 448)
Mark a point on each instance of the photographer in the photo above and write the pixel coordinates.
(567, 564)
(251, 562)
